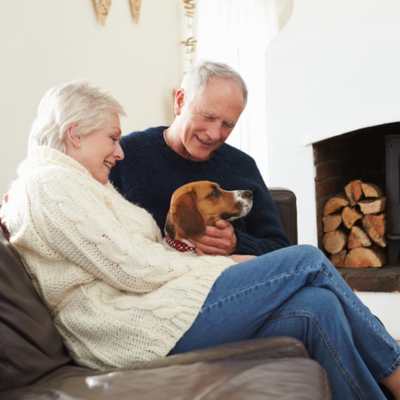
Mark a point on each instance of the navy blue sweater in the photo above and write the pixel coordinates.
(151, 172)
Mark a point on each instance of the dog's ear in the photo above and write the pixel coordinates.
(169, 228)
(188, 222)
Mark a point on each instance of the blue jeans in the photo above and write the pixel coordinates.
(297, 292)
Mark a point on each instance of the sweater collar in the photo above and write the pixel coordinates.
(173, 155)
(44, 155)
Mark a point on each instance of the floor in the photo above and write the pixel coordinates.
(386, 307)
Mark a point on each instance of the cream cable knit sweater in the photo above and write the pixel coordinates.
(117, 295)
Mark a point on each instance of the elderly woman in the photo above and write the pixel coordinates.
(118, 295)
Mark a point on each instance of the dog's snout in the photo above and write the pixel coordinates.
(247, 194)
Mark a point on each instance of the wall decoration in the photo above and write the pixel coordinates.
(135, 9)
(189, 42)
(102, 8)
(190, 7)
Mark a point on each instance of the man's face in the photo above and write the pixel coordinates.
(208, 119)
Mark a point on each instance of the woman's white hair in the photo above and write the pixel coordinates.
(73, 103)
(201, 73)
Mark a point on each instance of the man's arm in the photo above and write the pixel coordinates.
(261, 231)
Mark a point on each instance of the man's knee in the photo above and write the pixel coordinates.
(325, 302)
(306, 256)
(311, 252)
(318, 302)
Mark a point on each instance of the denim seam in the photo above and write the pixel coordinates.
(377, 328)
(245, 290)
(264, 283)
(357, 307)
(331, 349)
(391, 369)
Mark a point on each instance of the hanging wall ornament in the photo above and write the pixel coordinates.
(190, 7)
(135, 9)
(189, 42)
(102, 8)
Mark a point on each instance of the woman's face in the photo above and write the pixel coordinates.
(100, 150)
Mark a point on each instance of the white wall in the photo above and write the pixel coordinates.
(46, 42)
(332, 69)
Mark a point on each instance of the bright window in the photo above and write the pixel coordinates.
(237, 32)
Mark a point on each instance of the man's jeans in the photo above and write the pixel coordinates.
(297, 292)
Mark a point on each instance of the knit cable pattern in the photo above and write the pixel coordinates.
(117, 294)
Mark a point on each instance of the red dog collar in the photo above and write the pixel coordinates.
(179, 245)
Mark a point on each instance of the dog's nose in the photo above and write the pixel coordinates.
(247, 194)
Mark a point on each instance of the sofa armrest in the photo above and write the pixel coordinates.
(285, 200)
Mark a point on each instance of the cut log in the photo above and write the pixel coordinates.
(374, 225)
(338, 260)
(363, 257)
(331, 222)
(358, 238)
(353, 191)
(350, 216)
(371, 190)
(334, 241)
(334, 204)
(372, 206)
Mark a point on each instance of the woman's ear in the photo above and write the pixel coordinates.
(72, 138)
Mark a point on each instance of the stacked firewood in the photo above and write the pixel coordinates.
(354, 226)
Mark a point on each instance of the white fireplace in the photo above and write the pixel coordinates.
(334, 68)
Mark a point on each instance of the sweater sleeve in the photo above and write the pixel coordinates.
(263, 229)
(82, 228)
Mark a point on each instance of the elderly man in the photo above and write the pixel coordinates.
(159, 160)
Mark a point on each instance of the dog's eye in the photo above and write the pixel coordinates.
(215, 193)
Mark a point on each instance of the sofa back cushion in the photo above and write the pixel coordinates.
(30, 345)
(285, 200)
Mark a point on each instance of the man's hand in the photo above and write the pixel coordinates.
(217, 240)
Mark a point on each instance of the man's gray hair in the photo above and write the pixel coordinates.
(72, 103)
(201, 73)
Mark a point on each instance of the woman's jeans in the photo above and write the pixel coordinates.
(297, 292)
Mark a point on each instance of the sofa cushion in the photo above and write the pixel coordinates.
(267, 368)
(30, 344)
(225, 379)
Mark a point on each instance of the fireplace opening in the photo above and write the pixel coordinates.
(370, 155)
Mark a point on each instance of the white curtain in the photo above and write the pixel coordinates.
(237, 32)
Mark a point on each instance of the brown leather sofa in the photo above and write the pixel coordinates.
(34, 364)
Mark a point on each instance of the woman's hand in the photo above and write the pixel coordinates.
(241, 257)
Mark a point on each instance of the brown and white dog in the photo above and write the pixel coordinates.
(198, 204)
